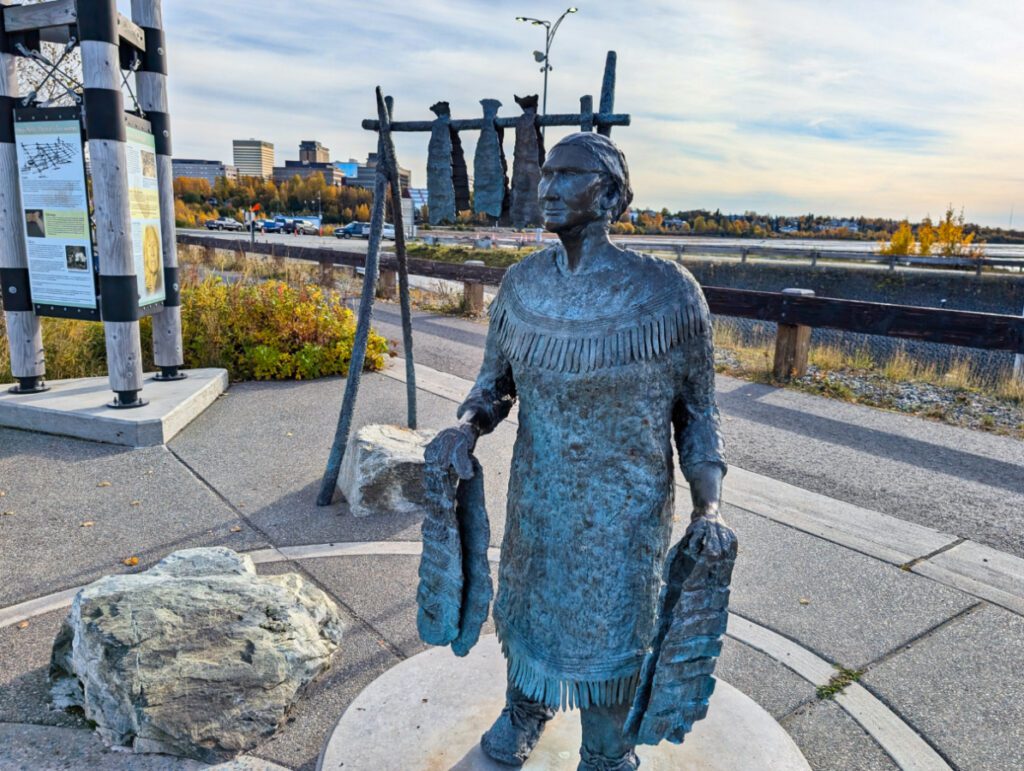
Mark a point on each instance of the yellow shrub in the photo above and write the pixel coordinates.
(257, 331)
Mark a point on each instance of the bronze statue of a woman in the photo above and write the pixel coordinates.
(609, 354)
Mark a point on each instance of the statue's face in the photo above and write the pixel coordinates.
(573, 189)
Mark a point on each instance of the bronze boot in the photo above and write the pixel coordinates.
(517, 730)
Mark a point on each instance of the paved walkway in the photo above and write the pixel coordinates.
(932, 618)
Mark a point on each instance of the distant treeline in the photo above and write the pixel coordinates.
(753, 225)
(198, 201)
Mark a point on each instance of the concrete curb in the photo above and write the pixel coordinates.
(77, 408)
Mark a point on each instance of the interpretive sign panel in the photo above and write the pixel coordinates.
(145, 210)
(55, 207)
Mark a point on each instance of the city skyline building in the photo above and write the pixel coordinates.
(253, 157)
(311, 151)
(195, 168)
(332, 175)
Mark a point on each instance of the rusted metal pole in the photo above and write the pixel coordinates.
(390, 159)
(355, 368)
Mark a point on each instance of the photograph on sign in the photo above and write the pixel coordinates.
(145, 211)
(51, 166)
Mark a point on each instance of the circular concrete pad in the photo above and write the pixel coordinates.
(427, 714)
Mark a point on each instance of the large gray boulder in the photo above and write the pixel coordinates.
(197, 657)
(382, 472)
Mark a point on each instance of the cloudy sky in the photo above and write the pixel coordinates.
(891, 108)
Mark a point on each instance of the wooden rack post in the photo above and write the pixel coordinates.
(151, 81)
(24, 333)
(105, 127)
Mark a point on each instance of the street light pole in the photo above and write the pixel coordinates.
(544, 58)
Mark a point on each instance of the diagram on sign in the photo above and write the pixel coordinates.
(42, 157)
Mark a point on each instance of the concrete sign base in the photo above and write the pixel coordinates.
(78, 408)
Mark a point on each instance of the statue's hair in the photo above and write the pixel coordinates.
(612, 161)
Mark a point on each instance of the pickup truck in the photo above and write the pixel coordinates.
(224, 223)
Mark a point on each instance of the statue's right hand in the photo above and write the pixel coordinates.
(452, 449)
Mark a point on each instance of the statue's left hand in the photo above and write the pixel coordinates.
(709, 537)
(452, 450)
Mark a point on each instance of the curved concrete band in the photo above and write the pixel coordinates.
(429, 712)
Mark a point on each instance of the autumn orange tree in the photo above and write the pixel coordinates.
(950, 238)
(197, 200)
(901, 243)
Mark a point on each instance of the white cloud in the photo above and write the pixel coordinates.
(869, 108)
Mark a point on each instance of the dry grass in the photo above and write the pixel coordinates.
(902, 368)
(249, 268)
(833, 357)
(1011, 389)
(753, 360)
(441, 299)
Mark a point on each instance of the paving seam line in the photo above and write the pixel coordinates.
(1008, 593)
(267, 555)
(907, 748)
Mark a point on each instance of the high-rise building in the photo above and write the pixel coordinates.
(311, 151)
(254, 158)
(194, 168)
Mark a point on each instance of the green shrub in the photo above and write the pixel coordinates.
(257, 331)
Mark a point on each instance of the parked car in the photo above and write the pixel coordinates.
(301, 227)
(269, 226)
(224, 223)
(353, 230)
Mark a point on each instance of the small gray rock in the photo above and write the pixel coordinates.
(382, 472)
(197, 657)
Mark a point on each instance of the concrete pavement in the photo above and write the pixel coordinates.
(820, 582)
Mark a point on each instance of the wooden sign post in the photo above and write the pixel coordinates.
(105, 127)
(151, 80)
(24, 333)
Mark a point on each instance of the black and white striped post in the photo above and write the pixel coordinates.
(24, 333)
(151, 83)
(105, 129)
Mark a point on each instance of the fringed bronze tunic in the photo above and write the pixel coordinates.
(608, 363)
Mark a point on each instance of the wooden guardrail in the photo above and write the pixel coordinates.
(794, 313)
